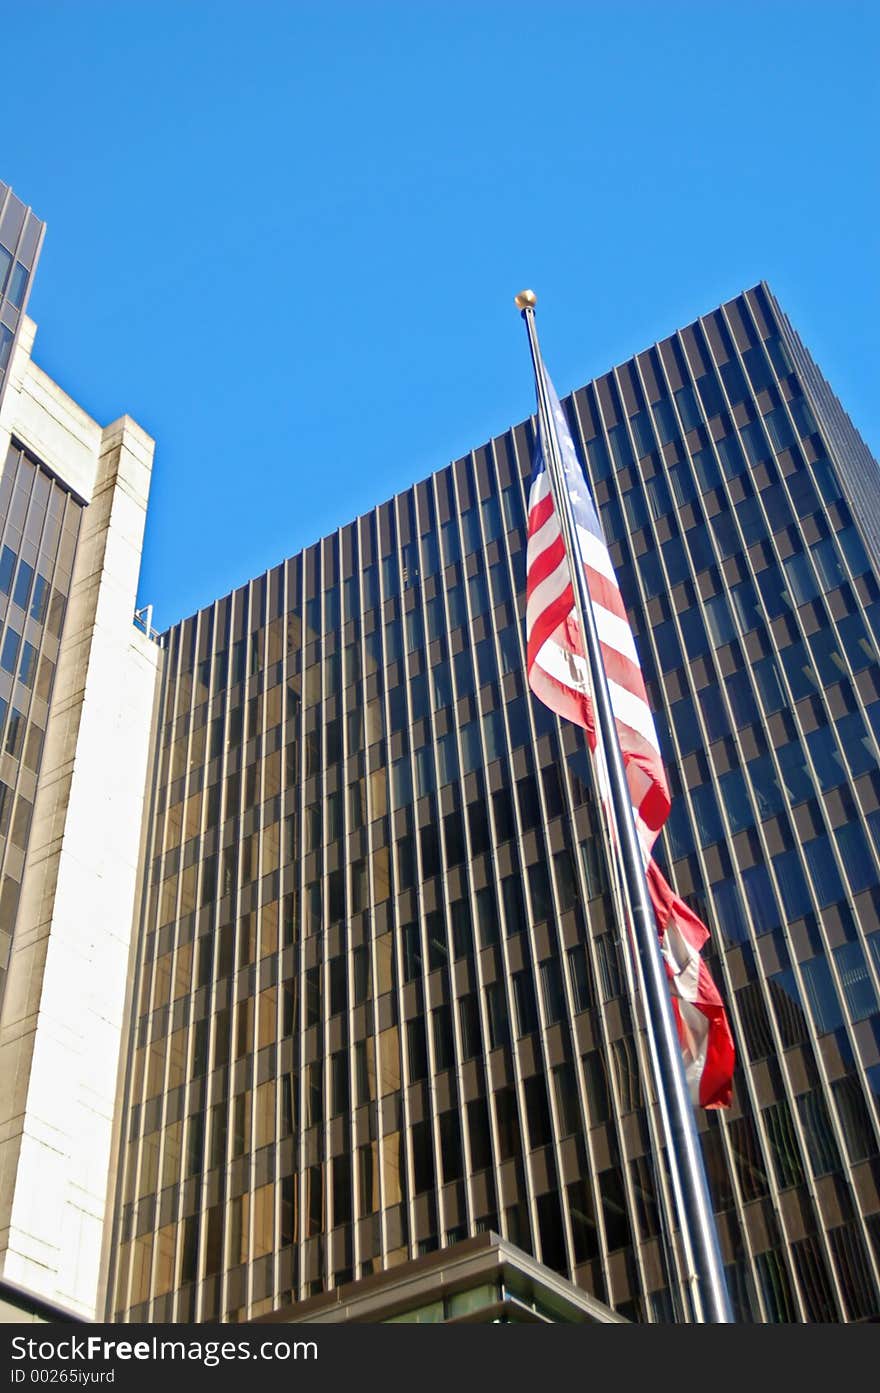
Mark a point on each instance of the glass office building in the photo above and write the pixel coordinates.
(380, 1003)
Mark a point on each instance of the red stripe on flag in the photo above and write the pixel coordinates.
(539, 514)
(605, 592)
(548, 621)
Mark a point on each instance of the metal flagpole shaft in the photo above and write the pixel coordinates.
(697, 1217)
(636, 985)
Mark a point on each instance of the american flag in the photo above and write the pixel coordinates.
(559, 675)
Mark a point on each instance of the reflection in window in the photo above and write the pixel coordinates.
(858, 990)
(824, 872)
(9, 653)
(748, 1158)
(28, 668)
(736, 800)
(17, 283)
(776, 1287)
(755, 1022)
(853, 846)
(793, 886)
(819, 1134)
(783, 1145)
(821, 995)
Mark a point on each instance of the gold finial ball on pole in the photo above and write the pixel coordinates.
(526, 299)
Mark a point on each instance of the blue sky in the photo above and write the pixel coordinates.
(286, 237)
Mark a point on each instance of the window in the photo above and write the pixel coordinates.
(339, 1078)
(487, 916)
(609, 967)
(620, 447)
(731, 456)
(438, 947)
(580, 978)
(624, 1056)
(858, 991)
(450, 1146)
(775, 1287)
(710, 394)
(687, 408)
(462, 936)
(780, 432)
(854, 1272)
(755, 1022)
(496, 1012)
(748, 1158)
(596, 1084)
(856, 856)
(23, 585)
(734, 382)
(478, 1131)
(664, 421)
(795, 892)
(567, 1104)
(537, 1113)
(599, 461)
(7, 566)
(423, 1157)
(539, 889)
(524, 1003)
(823, 870)
(412, 952)
(614, 1210)
(766, 789)
(854, 1119)
(821, 995)
(800, 579)
(507, 1118)
(755, 443)
(442, 1023)
(758, 368)
(9, 653)
(818, 1133)
(708, 819)
(761, 899)
(14, 732)
(416, 1049)
(788, 1008)
(783, 1145)
(17, 282)
(719, 621)
(551, 991)
(682, 482)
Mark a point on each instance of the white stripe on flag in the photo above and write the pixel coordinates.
(546, 593)
(615, 633)
(595, 554)
(545, 536)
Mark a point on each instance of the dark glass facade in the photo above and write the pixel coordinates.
(21, 237)
(380, 1004)
(38, 536)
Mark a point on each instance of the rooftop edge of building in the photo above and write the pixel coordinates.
(759, 286)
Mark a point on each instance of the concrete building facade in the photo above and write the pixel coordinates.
(77, 683)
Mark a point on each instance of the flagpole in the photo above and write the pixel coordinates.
(696, 1217)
